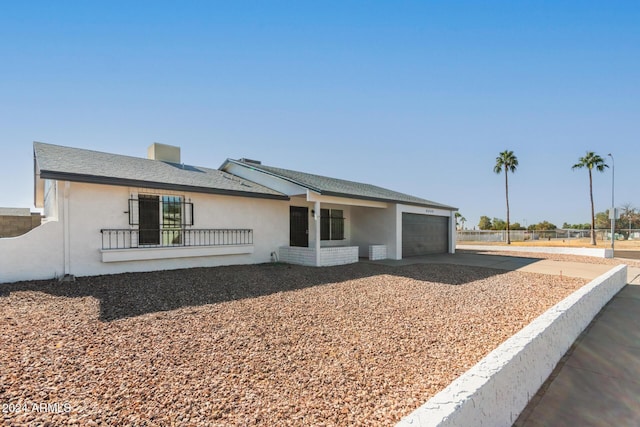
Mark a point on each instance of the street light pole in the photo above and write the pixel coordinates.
(613, 206)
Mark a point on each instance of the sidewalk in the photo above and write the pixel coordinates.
(597, 383)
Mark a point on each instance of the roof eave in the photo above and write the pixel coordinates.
(332, 193)
(266, 172)
(380, 199)
(124, 182)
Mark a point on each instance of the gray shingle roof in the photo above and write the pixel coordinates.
(75, 164)
(342, 188)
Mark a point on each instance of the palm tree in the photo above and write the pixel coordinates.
(508, 162)
(590, 161)
(460, 220)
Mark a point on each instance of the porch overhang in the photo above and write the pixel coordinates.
(313, 196)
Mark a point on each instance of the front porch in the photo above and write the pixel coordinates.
(328, 230)
(329, 256)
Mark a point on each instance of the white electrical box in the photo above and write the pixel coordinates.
(614, 214)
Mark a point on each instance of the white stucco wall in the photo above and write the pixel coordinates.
(72, 245)
(38, 254)
(374, 226)
(35, 255)
(50, 201)
(93, 207)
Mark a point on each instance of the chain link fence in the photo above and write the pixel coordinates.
(525, 235)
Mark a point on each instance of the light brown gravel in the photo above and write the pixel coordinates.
(256, 345)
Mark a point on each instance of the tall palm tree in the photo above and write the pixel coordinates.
(460, 220)
(508, 162)
(591, 161)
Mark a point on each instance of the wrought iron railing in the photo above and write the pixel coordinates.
(113, 238)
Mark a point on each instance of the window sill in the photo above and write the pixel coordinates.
(146, 254)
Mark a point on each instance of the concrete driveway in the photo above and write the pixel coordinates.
(584, 270)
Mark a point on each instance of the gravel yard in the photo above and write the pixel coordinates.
(255, 345)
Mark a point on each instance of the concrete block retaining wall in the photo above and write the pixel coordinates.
(498, 388)
(17, 225)
(596, 252)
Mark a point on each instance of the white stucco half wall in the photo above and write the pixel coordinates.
(496, 390)
(36, 255)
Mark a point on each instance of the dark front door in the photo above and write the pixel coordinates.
(149, 217)
(298, 226)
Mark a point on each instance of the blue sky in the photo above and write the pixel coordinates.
(416, 96)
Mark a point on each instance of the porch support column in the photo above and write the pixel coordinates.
(66, 239)
(453, 233)
(316, 218)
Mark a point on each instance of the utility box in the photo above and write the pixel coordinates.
(614, 213)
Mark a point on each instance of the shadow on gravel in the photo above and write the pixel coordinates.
(134, 294)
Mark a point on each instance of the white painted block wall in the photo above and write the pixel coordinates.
(377, 252)
(338, 256)
(297, 255)
(328, 256)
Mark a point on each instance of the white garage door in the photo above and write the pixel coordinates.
(424, 234)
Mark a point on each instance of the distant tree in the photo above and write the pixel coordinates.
(460, 220)
(485, 223)
(544, 226)
(602, 220)
(591, 161)
(499, 224)
(576, 226)
(629, 217)
(507, 162)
